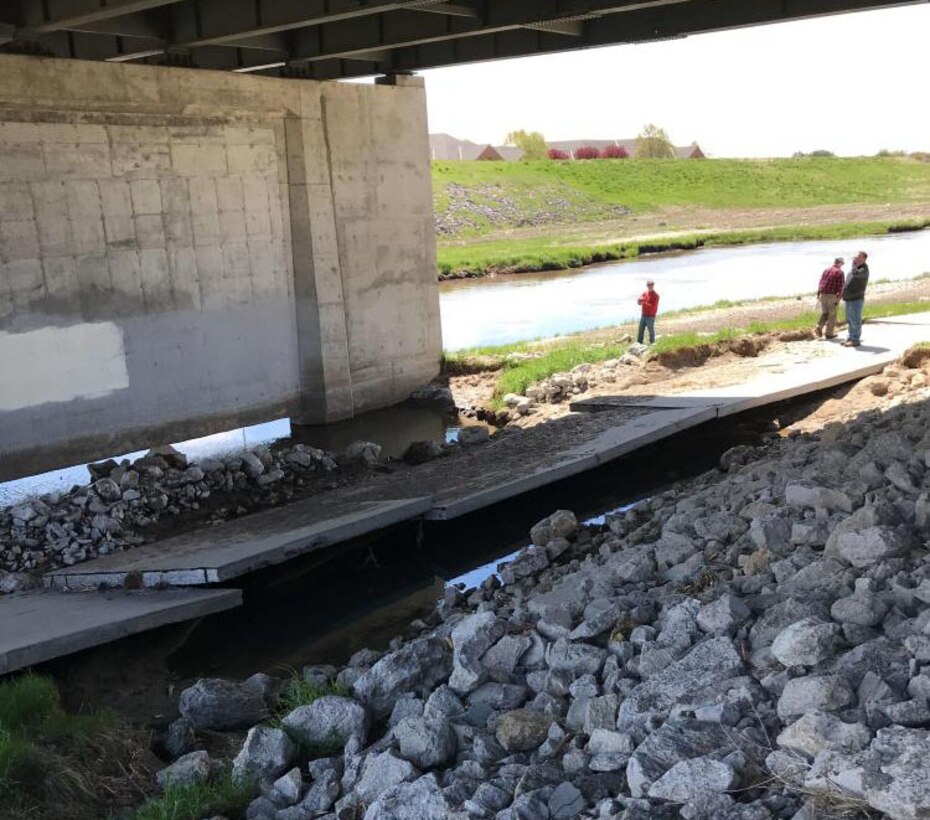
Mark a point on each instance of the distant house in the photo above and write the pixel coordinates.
(692, 151)
(447, 147)
(490, 153)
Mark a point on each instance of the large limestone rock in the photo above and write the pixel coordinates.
(691, 779)
(816, 732)
(707, 663)
(871, 546)
(194, 767)
(806, 643)
(471, 639)
(266, 754)
(807, 495)
(213, 703)
(676, 740)
(426, 742)
(811, 693)
(420, 800)
(382, 772)
(895, 776)
(327, 721)
(416, 667)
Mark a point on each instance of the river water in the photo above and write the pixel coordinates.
(501, 310)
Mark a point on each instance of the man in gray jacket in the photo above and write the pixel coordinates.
(854, 296)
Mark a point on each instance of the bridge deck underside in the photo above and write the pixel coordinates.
(333, 39)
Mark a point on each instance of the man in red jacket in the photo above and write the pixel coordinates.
(650, 305)
(829, 292)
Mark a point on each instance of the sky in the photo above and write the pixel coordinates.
(849, 83)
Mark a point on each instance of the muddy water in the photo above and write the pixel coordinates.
(507, 309)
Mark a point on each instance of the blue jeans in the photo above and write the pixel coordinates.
(854, 317)
(647, 323)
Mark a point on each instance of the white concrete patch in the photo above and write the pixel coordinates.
(58, 364)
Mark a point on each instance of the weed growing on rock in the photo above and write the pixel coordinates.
(301, 692)
(222, 795)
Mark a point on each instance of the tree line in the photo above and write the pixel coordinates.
(651, 143)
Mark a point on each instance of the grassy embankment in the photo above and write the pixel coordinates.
(54, 764)
(59, 765)
(511, 194)
(560, 355)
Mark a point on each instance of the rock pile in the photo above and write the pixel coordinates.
(561, 387)
(467, 209)
(123, 500)
(752, 644)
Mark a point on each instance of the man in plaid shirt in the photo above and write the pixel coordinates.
(829, 292)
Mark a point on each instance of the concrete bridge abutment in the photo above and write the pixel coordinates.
(183, 252)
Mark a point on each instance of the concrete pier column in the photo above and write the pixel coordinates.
(323, 345)
(185, 252)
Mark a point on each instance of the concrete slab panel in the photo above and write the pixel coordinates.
(40, 625)
(598, 403)
(485, 497)
(648, 429)
(239, 547)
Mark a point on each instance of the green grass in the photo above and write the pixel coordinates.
(27, 702)
(553, 253)
(517, 376)
(47, 755)
(220, 796)
(300, 692)
(644, 185)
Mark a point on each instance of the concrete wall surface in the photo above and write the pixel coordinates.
(183, 252)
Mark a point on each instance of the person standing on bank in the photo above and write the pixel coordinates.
(649, 302)
(829, 292)
(854, 295)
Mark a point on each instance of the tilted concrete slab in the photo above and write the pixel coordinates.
(598, 404)
(621, 441)
(454, 506)
(238, 547)
(40, 625)
(609, 444)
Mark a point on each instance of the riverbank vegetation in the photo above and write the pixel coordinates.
(509, 217)
(59, 765)
(553, 253)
